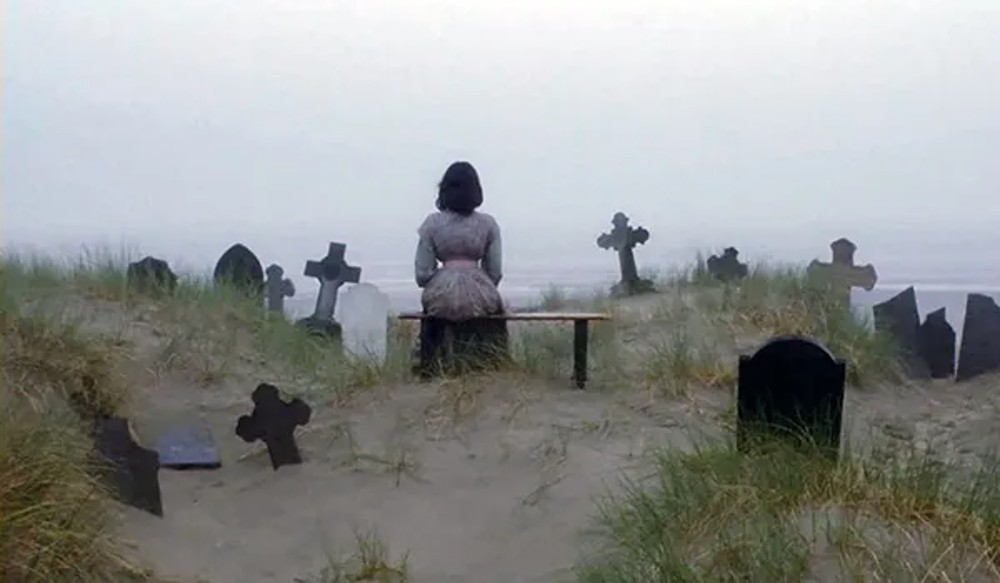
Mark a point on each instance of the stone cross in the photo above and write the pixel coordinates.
(278, 288)
(273, 421)
(332, 272)
(841, 274)
(623, 239)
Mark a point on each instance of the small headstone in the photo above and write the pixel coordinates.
(240, 268)
(980, 351)
(363, 313)
(727, 267)
(278, 288)
(841, 274)
(332, 272)
(623, 239)
(151, 275)
(899, 319)
(936, 344)
(188, 447)
(134, 471)
(273, 421)
(791, 388)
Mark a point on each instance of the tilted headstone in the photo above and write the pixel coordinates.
(727, 267)
(899, 319)
(188, 447)
(133, 471)
(278, 288)
(791, 388)
(841, 274)
(623, 239)
(151, 275)
(936, 344)
(980, 351)
(363, 313)
(273, 421)
(240, 268)
(332, 272)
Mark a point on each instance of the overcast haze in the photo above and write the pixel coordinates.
(196, 122)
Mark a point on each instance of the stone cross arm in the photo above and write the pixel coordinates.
(862, 276)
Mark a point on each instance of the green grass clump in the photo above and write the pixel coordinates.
(789, 515)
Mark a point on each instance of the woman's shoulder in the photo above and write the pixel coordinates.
(487, 219)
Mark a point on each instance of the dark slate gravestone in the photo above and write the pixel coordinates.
(841, 274)
(727, 267)
(332, 272)
(134, 471)
(151, 275)
(278, 288)
(791, 388)
(188, 447)
(273, 421)
(936, 344)
(240, 268)
(623, 239)
(980, 351)
(899, 319)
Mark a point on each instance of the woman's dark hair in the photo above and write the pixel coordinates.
(459, 190)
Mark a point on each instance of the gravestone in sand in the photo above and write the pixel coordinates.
(273, 421)
(899, 319)
(278, 288)
(980, 350)
(727, 267)
(623, 239)
(132, 472)
(187, 447)
(936, 344)
(240, 268)
(792, 388)
(151, 275)
(363, 314)
(332, 272)
(841, 274)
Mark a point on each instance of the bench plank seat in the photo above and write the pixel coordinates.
(581, 332)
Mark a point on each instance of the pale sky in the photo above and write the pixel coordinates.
(159, 119)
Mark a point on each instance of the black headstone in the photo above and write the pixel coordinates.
(133, 472)
(727, 267)
(899, 319)
(240, 268)
(936, 343)
(980, 351)
(273, 421)
(791, 388)
(150, 274)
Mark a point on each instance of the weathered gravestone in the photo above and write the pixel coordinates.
(792, 388)
(980, 351)
(363, 314)
(151, 275)
(623, 239)
(188, 447)
(273, 421)
(240, 268)
(899, 319)
(841, 274)
(936, 344)
(278, 288)
(332, 272)
(132, 471)
(727, 267)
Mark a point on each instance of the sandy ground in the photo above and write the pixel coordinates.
(498, 481)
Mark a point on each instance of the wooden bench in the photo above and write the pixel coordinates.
(581, 332)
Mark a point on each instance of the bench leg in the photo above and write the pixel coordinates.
(580, 333)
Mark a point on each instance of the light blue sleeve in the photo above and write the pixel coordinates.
(425, 261)
(493, 260)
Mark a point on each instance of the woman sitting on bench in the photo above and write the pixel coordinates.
(462, 289)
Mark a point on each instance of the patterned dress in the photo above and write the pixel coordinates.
(464, 285)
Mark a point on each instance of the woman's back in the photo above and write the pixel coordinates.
(455, 236)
